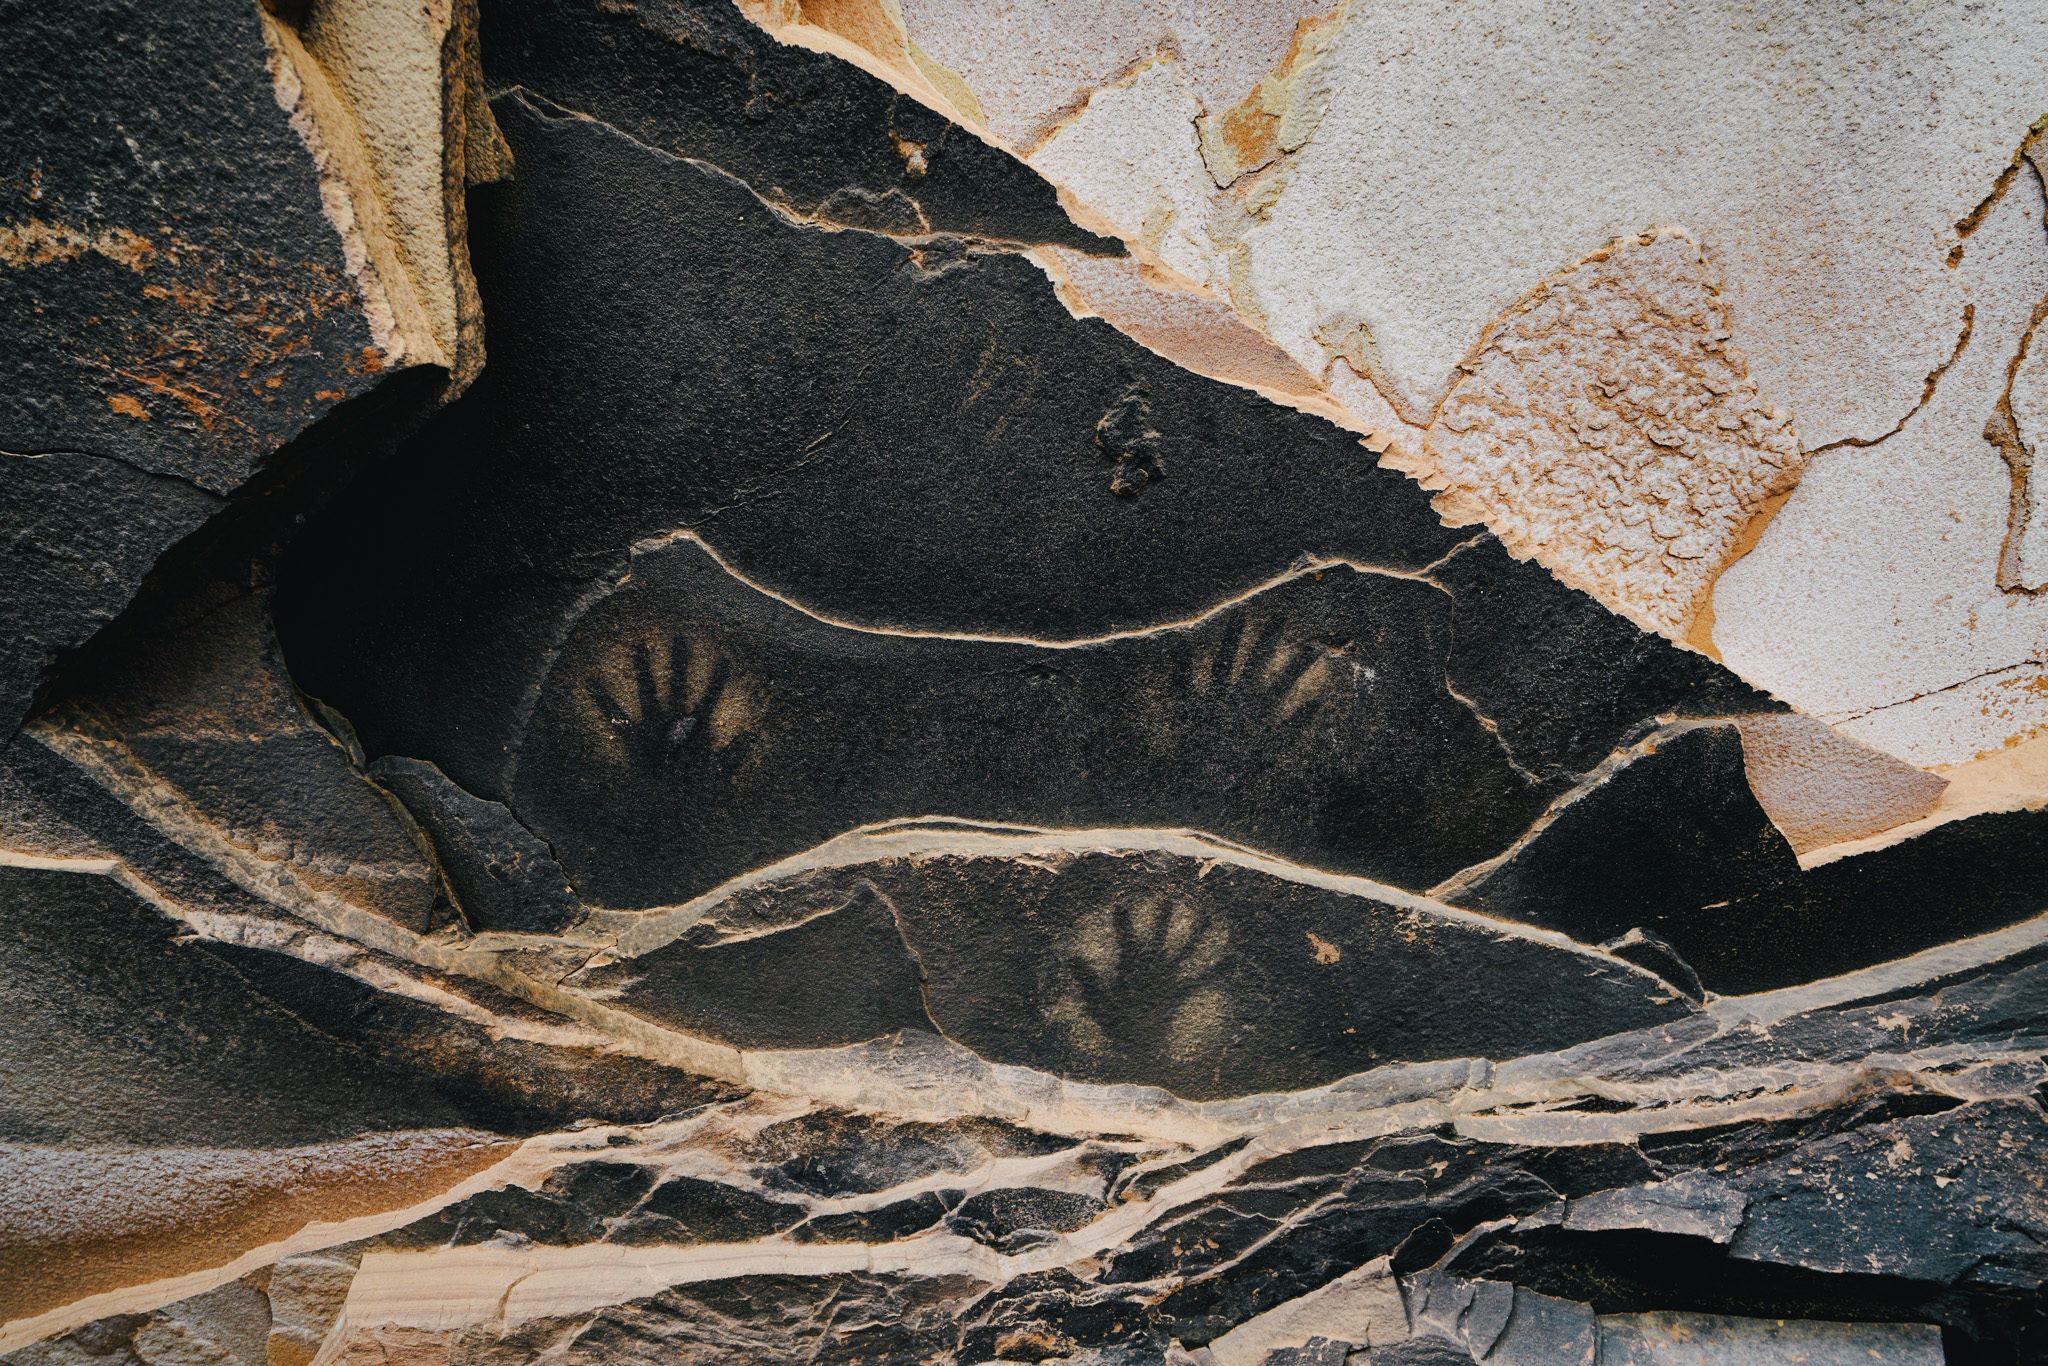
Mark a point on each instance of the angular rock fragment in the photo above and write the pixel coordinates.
(1675, 843)
(1822, 788)
(850, 970)
(496, 1216)
(390, 103)
(503, 878)
(1014, 1220)
(604, 1189)
(833, 1154)
(1193, 330)
(686, 1210)
(1359, 1308)
(1200, 976)
(1655, 953)
(811, 133)
(1606, 427)
(306, 1295)
(1942, 1197)
(209, 712)
(843, 1318)
(1691, 1204)
(81, 531)
(884, 1225)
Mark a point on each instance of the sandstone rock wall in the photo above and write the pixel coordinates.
(1233, 685)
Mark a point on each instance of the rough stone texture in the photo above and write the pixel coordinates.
(210, 713)
(1607, 428)
(211, 239)
(1821, 788)
(1375, 193)
(1874, 598)
(503, 878)
(81, 532)
(887, 780)
(1206, 979)
(176, 297)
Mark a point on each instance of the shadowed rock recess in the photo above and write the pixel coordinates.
(958, 746)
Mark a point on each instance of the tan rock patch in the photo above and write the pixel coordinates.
(1606, 427)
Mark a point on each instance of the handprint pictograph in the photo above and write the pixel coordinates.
(1256, 684)
(1143, 976)
(679, 709)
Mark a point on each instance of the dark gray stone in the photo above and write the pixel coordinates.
(842, 977)
(1959, 1195)
(182, 303)
(829, 1153)
(810, 133)
(503, 878)
(1208, 979)
(77, 534)
(684, 1210)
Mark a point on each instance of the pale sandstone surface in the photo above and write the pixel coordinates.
(1822, 788)
(2014, 779)
(1822, 156)
(1029, 64)
(2027, 543)
(1441, 159)
(1872, 599)
(1192, 328)
(1130, 155)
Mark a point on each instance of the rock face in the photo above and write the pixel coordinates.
(219, 244)
(1055, 697)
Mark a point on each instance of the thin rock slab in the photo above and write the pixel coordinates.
(1674, 842)
(691, 728)
(1202, 977)
(927, 415)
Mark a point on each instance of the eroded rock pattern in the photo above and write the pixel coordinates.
(1607, 428)
(886, 779)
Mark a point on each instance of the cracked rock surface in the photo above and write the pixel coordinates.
(970, 740)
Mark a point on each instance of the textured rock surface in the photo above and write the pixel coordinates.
(212, 238)
(1378, 195)
(887, 779)
(1638, 499)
